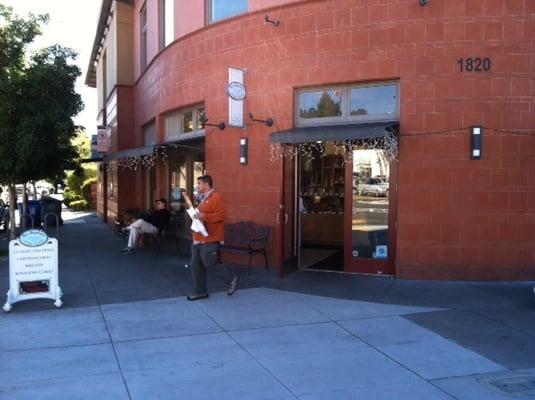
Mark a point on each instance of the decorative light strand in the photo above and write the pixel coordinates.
(344, 148)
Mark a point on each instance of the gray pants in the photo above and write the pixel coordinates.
(203, 260)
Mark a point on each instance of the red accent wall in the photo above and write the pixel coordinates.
(457, 218)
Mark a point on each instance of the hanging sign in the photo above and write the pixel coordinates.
(33, 269)
(102, 139)
(236, 94)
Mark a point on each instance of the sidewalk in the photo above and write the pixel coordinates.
(126, 331)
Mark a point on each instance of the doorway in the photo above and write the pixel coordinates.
(346, 216)
(321, 180)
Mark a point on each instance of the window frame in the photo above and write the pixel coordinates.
(345, 118)
(179, 114)
(209, 18)
(143, 42)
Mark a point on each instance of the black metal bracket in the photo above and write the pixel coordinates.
(275, 22)
(268, 121)
(423, 3)
(204, 122)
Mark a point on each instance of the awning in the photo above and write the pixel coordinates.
(334, 133)
(136, 152)
(186, 141)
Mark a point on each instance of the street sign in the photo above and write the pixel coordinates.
(33, 269)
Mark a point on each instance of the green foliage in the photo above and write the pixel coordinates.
(79, 205)
(69, 196)
(77, 178)
(37, 103)
(86, 188)
(82, 144)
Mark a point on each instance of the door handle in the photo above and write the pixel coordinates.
(281, 212)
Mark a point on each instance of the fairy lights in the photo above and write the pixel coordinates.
(345, 148)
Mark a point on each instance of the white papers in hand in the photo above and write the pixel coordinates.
(196, 224)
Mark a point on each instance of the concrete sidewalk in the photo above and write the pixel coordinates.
(125, 331)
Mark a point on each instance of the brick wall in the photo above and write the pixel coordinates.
(458, 218)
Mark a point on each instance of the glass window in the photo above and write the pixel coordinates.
(167, 19)
(149, 133)
(171, 125)
(200, 117)
(347, 104)
(220, 9)
(143, 36)
(320, 104)
(187, 122)
(369, 230)
(374, 101)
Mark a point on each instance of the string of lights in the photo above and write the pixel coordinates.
(389, 143)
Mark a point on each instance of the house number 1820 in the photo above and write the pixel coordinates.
(476, 64)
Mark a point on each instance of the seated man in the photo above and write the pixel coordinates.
(153, 223)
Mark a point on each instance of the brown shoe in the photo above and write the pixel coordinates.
(233, 285)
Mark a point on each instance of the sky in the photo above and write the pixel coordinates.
(73, 24)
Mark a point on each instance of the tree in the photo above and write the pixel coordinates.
(37, 103)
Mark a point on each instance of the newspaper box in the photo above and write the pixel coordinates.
(33, 269)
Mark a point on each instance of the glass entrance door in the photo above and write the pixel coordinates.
(370, 220)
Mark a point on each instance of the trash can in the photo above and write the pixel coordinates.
(34, 211)
(50, 205)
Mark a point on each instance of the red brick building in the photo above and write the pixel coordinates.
(403, 131)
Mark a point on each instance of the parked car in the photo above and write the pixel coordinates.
(373, 186)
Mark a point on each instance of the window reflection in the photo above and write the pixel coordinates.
(226, 8)
(373, 100)
(188, 122)
(370, 204)
(320, 104)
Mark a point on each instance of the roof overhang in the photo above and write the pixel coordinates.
(103, 21)
(334, 133)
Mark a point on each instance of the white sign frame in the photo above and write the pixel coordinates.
(31, 262)
(235, 107)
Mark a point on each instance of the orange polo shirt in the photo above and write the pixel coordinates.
(215, 213)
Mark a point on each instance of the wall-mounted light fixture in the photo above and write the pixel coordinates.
(243, 151)
(477, 141)
(423, 3)
(204, 122)
(275, 22)
(268, 121)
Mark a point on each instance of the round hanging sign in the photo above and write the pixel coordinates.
(33, 238)
(236, 90)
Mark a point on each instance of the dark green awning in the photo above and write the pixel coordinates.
(334, 133)
(136, 152)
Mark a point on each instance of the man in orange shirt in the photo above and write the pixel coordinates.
(212, 212)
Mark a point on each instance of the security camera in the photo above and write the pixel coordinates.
(424, 2)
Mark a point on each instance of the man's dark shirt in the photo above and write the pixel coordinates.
(159, 218)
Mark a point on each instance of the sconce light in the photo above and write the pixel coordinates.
(477, 139)
(204, 122)
(275, 22)
(243, 151)
(423, 3)
(268, 121)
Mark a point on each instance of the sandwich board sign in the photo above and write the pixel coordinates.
(33, 269)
